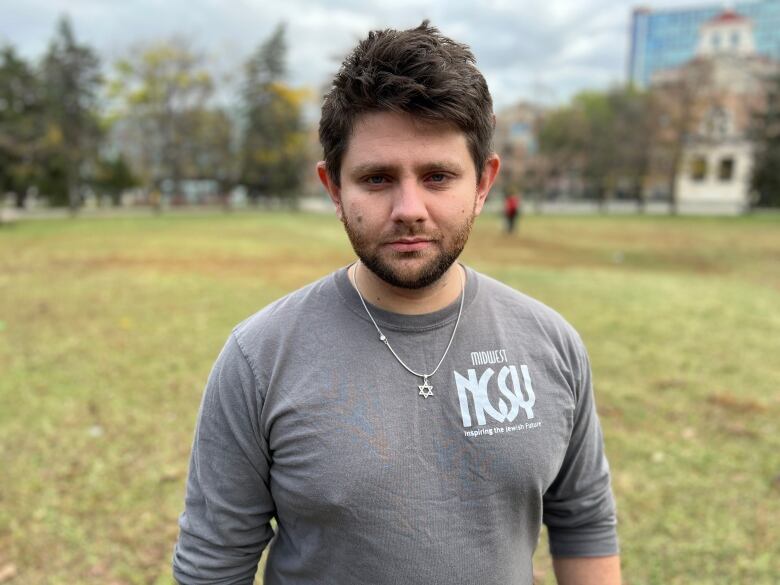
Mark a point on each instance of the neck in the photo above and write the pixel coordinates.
(409, 301)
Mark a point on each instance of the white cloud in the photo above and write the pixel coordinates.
(525, 49)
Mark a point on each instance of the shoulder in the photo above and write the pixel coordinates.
(283, 314)
(525, 312)
(541, 331)
(502, 297)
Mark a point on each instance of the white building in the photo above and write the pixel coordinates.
(717, 156)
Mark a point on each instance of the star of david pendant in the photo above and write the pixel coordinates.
(426, 389)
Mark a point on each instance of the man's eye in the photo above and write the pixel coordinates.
(437, 177)
(375, 180)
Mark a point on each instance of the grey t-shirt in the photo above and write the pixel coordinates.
(307, 418)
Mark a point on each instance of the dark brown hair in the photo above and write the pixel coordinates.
(417, 71)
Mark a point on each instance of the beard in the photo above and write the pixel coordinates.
(389, 266)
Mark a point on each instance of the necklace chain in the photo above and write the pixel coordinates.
(426, 389)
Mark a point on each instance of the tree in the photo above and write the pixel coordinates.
(21, 125)
(563, 141)
(679, 101)
(603, 139)
(633, 132)
(113, 176)
(71, 80)
(159, 92)
(273, 148)
(212, 149)
(765, 134)
(601, 153)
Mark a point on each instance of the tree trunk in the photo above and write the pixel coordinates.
(639, 195)
(74, 196)
(675, 171)
(20, 197)
(673, 203)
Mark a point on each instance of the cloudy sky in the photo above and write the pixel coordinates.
(544, 51)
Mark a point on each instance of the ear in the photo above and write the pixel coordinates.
(489, 174)
(334, 191)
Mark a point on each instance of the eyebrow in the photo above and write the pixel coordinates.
(383, 169)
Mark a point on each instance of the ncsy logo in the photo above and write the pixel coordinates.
(508, 407)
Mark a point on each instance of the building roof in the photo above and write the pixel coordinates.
(727, 17)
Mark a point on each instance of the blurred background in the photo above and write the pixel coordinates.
(659, 108)
(157, 186)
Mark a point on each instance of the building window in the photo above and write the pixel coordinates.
(716, 41)
(726, 169)
(717, 123)
(698, 168)
(735, 39)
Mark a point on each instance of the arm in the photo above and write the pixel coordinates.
(228, 506)
(587, 570)
(578, 507)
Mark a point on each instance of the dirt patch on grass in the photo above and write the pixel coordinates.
(580, 251)
(670, 384)
(204, 265)
(530, 251)
(167, 264)
(733, 404)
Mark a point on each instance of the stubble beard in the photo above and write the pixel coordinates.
(390, 271)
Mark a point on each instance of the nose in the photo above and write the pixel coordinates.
(409, 205)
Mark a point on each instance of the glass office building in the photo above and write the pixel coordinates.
(663, 39)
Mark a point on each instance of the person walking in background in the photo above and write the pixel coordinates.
(512, 211)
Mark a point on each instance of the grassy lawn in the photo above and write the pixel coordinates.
(108, 329)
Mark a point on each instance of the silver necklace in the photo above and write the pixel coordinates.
(426, 389)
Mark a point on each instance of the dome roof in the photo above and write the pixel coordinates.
(728, 17)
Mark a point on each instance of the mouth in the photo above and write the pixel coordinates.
(413, 244)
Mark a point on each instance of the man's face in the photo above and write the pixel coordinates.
(408, 196)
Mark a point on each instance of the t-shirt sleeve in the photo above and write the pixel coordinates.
(228, 507)
(579, 507)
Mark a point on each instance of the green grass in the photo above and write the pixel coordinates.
(108, 329)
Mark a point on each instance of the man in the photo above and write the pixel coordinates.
(404, 420)
(511, 210)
